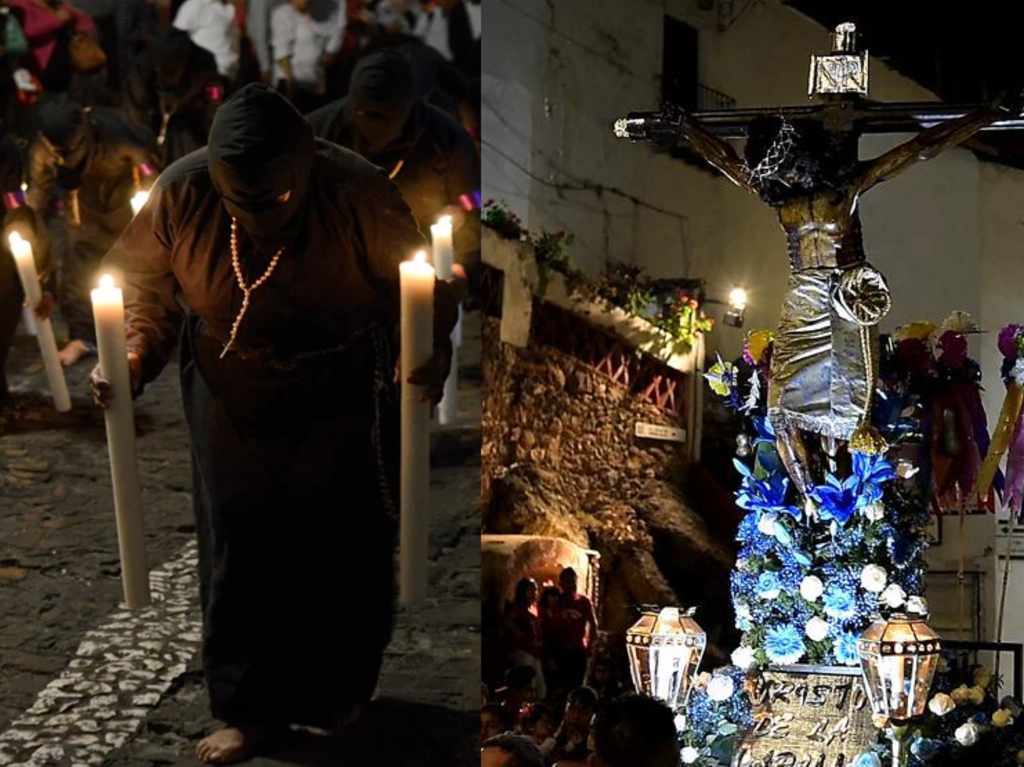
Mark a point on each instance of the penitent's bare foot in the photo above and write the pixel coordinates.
(73, 352)
(228, 746)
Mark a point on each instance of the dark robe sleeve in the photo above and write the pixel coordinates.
(42, 178)
(392, 236)
(462, 177)
(142, 259)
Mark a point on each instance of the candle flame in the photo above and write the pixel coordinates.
(16, 240)
(420, 257)
(106, 282)
(445, 220)
(138, 201)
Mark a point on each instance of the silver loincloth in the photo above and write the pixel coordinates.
(819, 378)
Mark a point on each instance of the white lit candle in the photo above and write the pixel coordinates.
(138, 201)
(417, 323)
(444, 259)
(108, 313)
(21, 249)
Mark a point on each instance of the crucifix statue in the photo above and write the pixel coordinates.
(802, 161)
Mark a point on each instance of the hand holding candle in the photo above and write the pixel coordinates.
(416, 279)
(108, 313)
(21, 249)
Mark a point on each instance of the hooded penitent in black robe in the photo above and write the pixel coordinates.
(86, 155)
(173, 89)
(429, 156)
(292, 518)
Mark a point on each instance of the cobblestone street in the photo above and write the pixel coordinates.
(84, 682)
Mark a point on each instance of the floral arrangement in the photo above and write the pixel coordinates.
(717, 714)
(677, 312)
(965, 723)
(810, 574)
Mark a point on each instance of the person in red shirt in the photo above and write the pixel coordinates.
(577, 629)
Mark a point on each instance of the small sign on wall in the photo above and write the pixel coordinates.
(659, 432)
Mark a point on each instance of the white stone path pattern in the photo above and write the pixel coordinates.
(117, 677)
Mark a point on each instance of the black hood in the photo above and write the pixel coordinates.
(65, 125)
(260, 147)
(380, 99)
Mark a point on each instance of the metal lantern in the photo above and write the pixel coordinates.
(898, 658)
(664, 648)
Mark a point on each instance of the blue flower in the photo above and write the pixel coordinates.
(845, 648)
(837, 500)
(784, 645)
(767, 494)
(765, 431)
(839, 603)
(768, 585)
(867, 759)
(926, 749)
(871, 471)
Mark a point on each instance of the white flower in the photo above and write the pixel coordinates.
(811, 588)
(967, 734)
(743, 657)
(766, 524)
(680, 722)
(873, 578)
(816, 629)
(874, 512)
(689, 755)
(893, 596)
(720, 687)
(917, 605)
(743, 611)
(1017, 372)
(741, 563)
(941, 704)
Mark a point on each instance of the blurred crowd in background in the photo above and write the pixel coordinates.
(100, 95)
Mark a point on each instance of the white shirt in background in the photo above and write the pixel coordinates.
(211, 25)
(305, 41)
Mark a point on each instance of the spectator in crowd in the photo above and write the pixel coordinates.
(83, 160)
(257, 27)
(518, 693)
(603, 679)
(550, 621)
(52, 27)
(300, 47)
(173, 90)
(634, 731)
(510, 750)
(430, 158)
(522, 632)
(571, 738)
(540, 724)
(577, 630)
(493, 721)
(212, 24)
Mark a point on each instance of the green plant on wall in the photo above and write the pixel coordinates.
(676, 312)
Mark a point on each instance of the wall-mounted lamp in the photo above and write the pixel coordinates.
(737, 307)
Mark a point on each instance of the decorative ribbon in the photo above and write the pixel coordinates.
(1008, 431)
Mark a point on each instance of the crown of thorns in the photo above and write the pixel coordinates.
(776, 155)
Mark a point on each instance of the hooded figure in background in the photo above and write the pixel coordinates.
(173, 90)
(427, 154)
(81, 177)
(16, 217)
(289, 398)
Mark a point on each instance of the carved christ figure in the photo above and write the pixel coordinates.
(824, 361)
